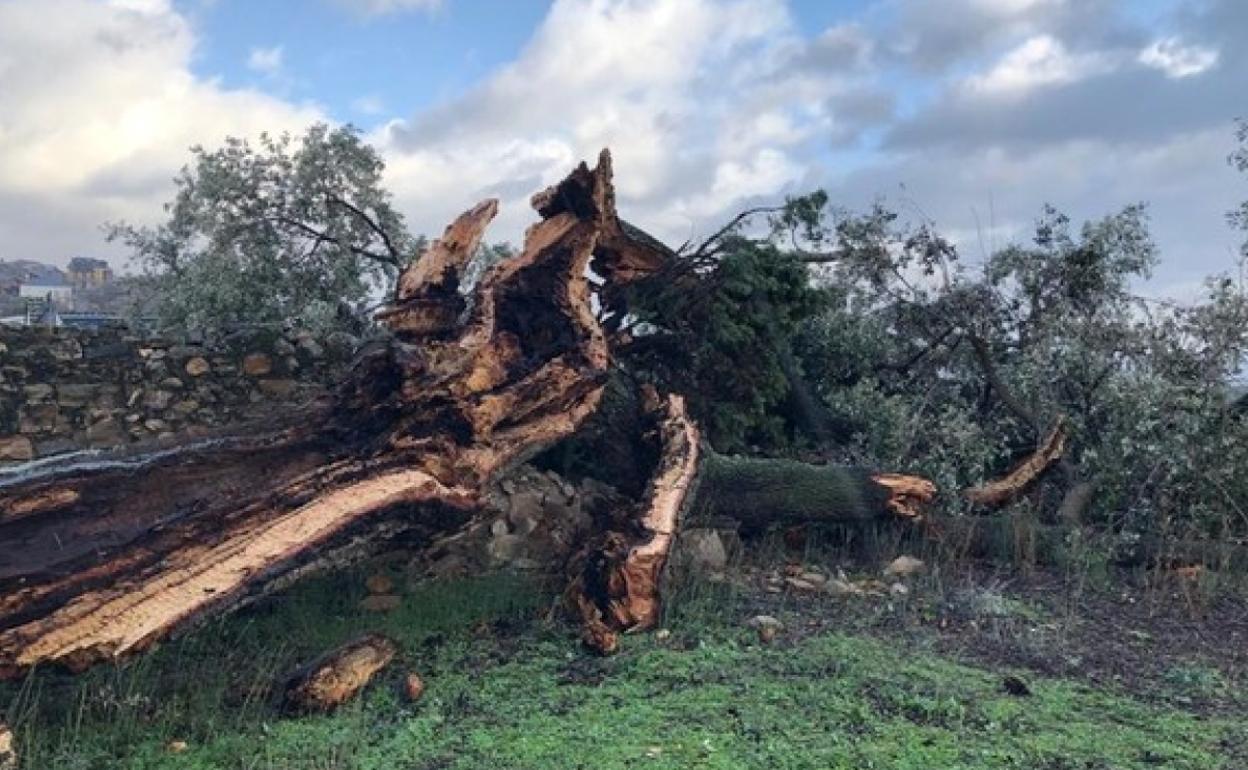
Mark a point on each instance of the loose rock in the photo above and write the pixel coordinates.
(379, 584)
(413, 687)
(701, 550)
(767, 627)
(904, 566)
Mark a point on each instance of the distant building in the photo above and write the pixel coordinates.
(46, 284)
(51, 317)
(88, 273)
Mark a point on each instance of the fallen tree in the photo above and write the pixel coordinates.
(103, 557)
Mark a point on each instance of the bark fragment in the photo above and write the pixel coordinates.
(339, 675)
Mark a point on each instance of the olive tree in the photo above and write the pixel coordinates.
(282, 230)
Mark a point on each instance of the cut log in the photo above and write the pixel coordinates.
(758, 492)
(338, 675)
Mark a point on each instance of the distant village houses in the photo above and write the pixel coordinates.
(88, 273)
(36, 294)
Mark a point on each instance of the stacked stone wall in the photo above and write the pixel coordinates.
(63, 390)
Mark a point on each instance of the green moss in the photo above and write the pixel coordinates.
(513, 692)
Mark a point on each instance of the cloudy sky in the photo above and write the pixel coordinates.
(970, 112)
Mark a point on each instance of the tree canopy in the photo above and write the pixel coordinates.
(284, 230)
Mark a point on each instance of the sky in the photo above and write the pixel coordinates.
(969, 113)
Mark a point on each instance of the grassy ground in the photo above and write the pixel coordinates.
(507, 689)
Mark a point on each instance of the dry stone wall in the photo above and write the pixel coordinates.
(63, 390)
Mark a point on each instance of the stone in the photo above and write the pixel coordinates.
(451, 565)
(157, 400)
(504, 548)
(37, 392)
(65, 349)
(524, 511)
(107, 432)
(177, 747)
(701, 550)
(766, 626)
(381, 602)
(379, 584)
(37, 418)
(904, 566)
(810, 576)
(413, 686)
(899, 589)
(797, 584)
(257, 364)
(172, 383)
(16, 448)
(310, 348)
(155, 425)
(186, 407)
(74, 394)
(184, 351)
(198, 366)
(277, 388)
(838, 587)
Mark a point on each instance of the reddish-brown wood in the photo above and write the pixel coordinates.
(100, 560)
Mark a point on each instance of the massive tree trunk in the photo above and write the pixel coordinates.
(101, 558)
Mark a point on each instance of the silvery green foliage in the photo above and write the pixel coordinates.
(280, 231)
(931, 366)
(1239, 159)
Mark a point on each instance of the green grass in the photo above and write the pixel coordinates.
(506, 690)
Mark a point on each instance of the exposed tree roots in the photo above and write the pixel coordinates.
(102, 558)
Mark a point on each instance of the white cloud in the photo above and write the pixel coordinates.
(381, 7)
(1177, 60)
(266, 61)
(704, 104)
(96, 131)
(368, 104)
(1038, 62)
